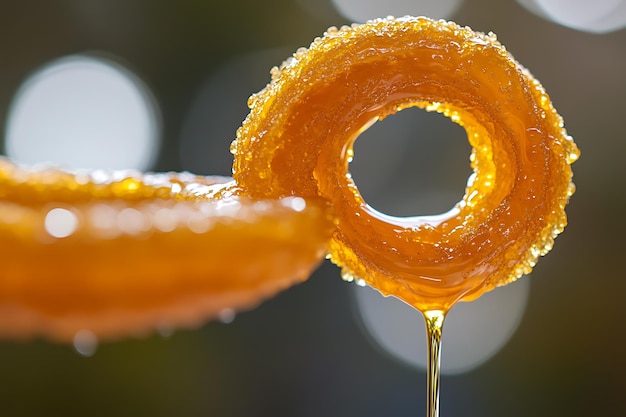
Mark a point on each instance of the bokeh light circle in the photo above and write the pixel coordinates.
(473, 332)
(600, 16)
(364, 10)
(85, 343)
(84, 111)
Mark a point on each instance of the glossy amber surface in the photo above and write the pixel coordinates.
(124, 253)
(299, 136)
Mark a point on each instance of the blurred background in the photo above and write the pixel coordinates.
(157, 85)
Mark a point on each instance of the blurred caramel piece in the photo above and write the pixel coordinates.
(121, 253)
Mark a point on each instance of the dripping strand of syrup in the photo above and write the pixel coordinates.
(434, 325)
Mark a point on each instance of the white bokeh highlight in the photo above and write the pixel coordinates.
(364, 10)
(472, 333)
(60, 223)
(85, 343)
(84, 111)
(600, 16)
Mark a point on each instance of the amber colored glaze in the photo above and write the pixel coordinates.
(151, 251)
(168, 250)
(299, 136)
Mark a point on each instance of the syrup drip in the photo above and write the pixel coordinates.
(434, 326)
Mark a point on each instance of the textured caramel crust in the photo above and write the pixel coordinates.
(299, 135)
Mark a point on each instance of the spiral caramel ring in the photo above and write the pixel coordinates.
(299, 136)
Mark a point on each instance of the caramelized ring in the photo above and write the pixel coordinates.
(299, 136)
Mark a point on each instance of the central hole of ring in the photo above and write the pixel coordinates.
(412, 163)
